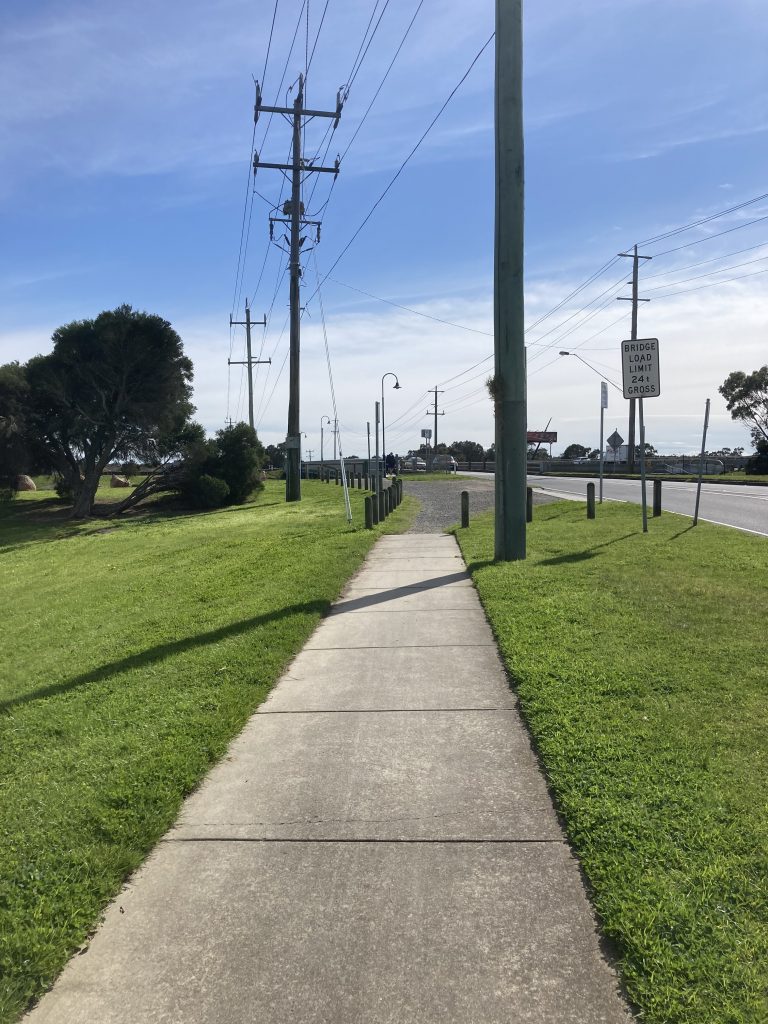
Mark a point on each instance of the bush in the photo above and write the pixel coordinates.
(758, 463)
(207, 491)
(63, 488)
(238, 461)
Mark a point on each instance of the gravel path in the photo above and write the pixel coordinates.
(441, 501)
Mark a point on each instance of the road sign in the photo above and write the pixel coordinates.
(426, 433)
(615, 440)
(640, 368)
(603, 395)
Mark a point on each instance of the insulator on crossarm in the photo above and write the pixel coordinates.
(257, 105)
(336, 165)
(255, 162)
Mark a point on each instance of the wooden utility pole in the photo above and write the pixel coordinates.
(633, 336)
(293, 211)
(435, 413)
(249, 361)
(509, 384)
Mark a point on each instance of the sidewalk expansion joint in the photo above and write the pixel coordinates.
(368, 841)
(397, 647)
(379, 711)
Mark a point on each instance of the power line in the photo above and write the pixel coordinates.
(405, 162)
(702, 263)
(714, 284)
(408, 309)
(703, 220)
(699, 277)
(709, 238)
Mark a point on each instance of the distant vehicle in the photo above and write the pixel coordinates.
(585, 458)
(445, 462)
(415, 464)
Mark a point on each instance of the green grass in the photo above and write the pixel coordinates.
(133, 652)
(640, 661)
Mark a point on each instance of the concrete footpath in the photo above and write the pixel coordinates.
(378, 846)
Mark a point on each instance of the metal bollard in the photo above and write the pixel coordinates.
(464, 509)
(368, 512)
(529, 504)
(657, 497)
(590, 501)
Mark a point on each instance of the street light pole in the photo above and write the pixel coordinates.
(395, 387)
(322, 461)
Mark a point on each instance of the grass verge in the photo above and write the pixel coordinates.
(640, 661)
(133, 652)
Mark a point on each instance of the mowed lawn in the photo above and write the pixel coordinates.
(641, 665)
(132, 652)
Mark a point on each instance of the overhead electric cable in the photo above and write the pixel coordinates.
(709, 238)
(712, 273)
(703, 220)
(408, 309)
(702, 263)
(405, 162)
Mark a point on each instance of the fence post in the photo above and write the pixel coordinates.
(382, 507)
(657, 497)
(529, 504)
(375, 508)
(359, 482)
(368, 512)
(464, 509)
(590, 501)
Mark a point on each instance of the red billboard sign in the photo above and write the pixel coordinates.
(542, 436)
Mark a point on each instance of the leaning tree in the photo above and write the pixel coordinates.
(116, 387)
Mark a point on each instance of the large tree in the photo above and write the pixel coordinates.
(747, 398)
(115, 387)
(15, 454)
(467, 451)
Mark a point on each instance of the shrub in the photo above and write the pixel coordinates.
(207, 491)
(758, 463)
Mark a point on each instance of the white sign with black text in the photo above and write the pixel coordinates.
(640, 368)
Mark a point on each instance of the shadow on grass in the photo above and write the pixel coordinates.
(163, 651)
(681, 533)
(168, 650)
(48, 520)
(584, 556)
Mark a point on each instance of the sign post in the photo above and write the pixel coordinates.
(640, 376)
(427, 435)
(603, 407)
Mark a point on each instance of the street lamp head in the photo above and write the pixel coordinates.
(396, 386)
(565, 353)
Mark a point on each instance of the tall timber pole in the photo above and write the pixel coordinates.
(509, 385)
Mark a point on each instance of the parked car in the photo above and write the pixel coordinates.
(414, 463)
(446, 463)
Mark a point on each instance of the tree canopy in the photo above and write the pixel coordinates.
(115, 387)
(746, 395)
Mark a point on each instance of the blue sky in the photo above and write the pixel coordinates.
(125, 139)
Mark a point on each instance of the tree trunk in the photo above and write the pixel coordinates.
(85, 494)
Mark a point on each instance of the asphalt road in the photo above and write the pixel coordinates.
(739, 506)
